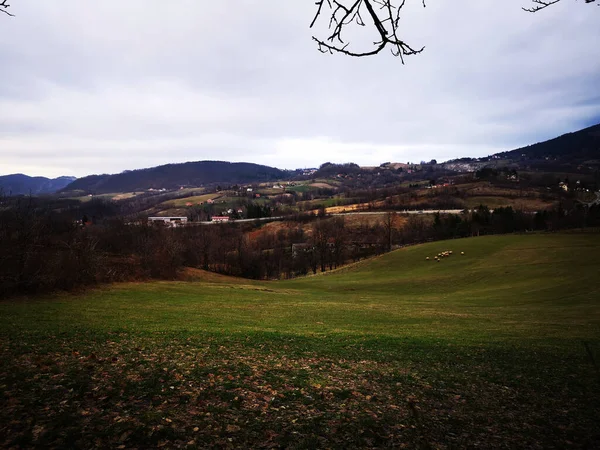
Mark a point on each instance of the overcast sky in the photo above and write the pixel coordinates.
(104, 86)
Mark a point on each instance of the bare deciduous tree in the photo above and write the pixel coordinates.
(382, 15)
(389, 225)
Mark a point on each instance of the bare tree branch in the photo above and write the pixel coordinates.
(543, 4)
(384, 16)
(319, 7)
(4, 8)
(540, 4)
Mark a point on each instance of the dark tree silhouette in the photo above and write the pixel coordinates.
(4, 7)
(538, 5)
(381, 15)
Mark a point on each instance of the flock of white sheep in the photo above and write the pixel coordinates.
(443, 254)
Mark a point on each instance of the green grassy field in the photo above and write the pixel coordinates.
(299, 188)
(496, 348)
(196, 199)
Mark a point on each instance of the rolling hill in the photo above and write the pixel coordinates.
(496, 348)
(576, 147)
(173, 176)
(20, 184)
(574, 152)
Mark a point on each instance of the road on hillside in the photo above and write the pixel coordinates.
(406, 211)
(350, 213)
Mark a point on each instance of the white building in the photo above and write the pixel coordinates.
(169, 221)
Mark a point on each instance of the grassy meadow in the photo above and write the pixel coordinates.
(496, 348)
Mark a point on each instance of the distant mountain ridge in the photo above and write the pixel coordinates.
(575, 151)
(20, 184)
(578, 146)
(578, 150)
(173, 176)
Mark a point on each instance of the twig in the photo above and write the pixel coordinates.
(4, 6)
(543, 4)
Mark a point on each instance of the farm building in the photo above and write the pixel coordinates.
(301, 248)
(168, 221)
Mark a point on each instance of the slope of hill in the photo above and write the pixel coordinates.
(576, 147)
(172, 176)
(512, 277)
(572, 152)
(495, 348)
(20, 184)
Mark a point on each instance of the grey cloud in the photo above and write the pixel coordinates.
(100, 87)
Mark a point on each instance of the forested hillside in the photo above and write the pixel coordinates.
(578, 146)
(19, 184)
(172, 176)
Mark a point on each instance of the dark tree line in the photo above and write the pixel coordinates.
(46, 249)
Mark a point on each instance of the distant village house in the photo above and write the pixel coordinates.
(168, 221)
